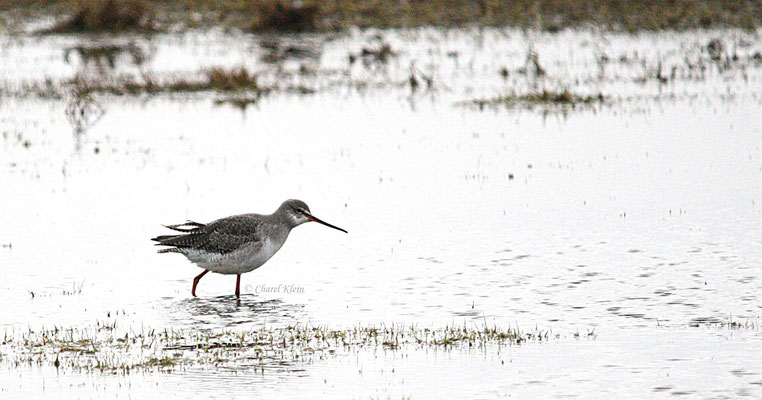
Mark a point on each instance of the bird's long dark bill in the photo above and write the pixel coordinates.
(312, 218)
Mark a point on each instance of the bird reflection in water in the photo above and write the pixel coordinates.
(213, 312)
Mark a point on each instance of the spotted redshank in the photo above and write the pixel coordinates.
(237, 244)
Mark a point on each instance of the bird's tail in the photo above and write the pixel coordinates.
(165, 238)
(189, 228)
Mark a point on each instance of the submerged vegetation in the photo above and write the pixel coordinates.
(728, 323)
(542, 98)
(120, 69)
(299, 16)
(104, 348)
(213, 79)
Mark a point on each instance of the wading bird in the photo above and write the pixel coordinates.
(237, 244)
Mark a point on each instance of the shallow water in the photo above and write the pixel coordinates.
(637, 219)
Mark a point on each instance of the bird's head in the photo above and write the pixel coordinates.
(297, 212)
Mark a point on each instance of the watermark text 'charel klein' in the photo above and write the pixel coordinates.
(287, 288)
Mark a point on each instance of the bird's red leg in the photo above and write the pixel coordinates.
(195, 281)
(238, 286)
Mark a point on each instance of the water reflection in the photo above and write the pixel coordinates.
(226, 311)
(104, 58)
(277, 49)
(241, 103)
(83, 111)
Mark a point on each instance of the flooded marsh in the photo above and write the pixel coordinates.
(531, 213)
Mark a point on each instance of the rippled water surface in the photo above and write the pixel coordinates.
(635, 223)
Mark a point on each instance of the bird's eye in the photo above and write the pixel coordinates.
(300, 210)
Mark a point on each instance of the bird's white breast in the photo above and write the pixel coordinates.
(245, 259)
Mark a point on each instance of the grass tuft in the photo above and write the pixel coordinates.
(107, 16)
(280, 16)
(231, 80)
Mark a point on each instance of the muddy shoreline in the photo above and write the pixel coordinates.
(321, 15)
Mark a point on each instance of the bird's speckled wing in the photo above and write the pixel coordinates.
(221, 236)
